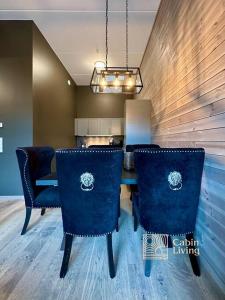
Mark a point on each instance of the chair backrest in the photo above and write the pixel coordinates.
(169, 182)
(89, 189)
(129, 154)
(132, 148)
(34, 162)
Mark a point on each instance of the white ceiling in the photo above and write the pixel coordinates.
(75, 29)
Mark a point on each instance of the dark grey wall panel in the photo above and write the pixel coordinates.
(37, 106)
(89, 105)
(53, 98)
(15, 99)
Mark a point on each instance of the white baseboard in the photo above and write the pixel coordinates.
(15, 197)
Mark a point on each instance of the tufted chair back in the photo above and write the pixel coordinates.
(89, 188)
(169, 182)
(34, 162)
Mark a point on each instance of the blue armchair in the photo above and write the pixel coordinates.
(89, 188)
(35, 162)
(169, 183)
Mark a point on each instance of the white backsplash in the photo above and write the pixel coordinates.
(97, 140)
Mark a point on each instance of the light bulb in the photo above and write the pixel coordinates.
(130, 82)
(116, 82)
(103, 82)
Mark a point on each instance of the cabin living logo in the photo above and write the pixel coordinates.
(155, 246)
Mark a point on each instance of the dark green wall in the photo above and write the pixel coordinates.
(15, 99)
(89, 105)
(53, 98)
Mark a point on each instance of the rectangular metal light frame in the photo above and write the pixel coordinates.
(97, 88)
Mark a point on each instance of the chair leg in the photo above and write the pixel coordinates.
(110, 256)
(42, 211)
(192, 256)
(66, 256)
(62, 247)
(170, 242)
(119, 212)
(135, 220)
(147, 267)
(27, 219)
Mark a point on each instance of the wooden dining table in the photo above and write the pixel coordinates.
(128, 178)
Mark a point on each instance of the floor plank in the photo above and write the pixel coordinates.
(30, 264)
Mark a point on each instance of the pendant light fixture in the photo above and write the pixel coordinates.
(119, 80)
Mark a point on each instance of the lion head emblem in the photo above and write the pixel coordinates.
(175, 180)
(87, 182)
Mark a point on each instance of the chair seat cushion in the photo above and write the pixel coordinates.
(48, 198)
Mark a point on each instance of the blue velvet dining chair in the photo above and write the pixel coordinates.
(89, 188)
(109, 147)
(35, 162)
(130, 152)
(169, 183)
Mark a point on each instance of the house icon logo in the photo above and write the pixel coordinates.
(155, 246)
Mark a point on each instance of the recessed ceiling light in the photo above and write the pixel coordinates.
(69, 82)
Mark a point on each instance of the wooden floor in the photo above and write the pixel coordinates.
(30, 264)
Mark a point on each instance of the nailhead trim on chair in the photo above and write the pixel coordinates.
(24, 174)
(179, 234)
(146, 151)
(90, 151)
(160, 151)
(29, 192)
(35, 207)
(89, 235)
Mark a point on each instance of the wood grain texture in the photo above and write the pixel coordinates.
(30, 264)
(183, 73)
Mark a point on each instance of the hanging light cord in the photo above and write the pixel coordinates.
(106, 33)
(127, 34)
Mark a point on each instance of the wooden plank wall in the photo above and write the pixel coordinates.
(183, 71)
